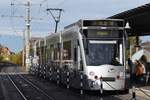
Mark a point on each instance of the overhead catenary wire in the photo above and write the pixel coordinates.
(40, 11)
(40, 6)
(61, 3)
(43, 1)
(11, 17)
(13, 12)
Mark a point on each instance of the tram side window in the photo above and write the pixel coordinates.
(67, 50)
(38, 51)
(56, 52)
(48, 53)
(75, 54)
(51, 52)
(38, 54)
(42, 54)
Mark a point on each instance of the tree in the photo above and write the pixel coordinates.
(16, 58)
(5, 57)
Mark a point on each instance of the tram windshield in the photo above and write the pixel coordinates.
(103, 51)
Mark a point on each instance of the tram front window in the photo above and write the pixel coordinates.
(102, 52)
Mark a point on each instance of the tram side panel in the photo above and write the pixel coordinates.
(71, 59)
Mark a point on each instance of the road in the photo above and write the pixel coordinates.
(56, 92)
(11, 68)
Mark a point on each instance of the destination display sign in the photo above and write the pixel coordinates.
(102, 33)
(103, 23)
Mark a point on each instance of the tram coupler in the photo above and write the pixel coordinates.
(101, 86)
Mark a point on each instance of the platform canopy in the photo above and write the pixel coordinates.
(138, 18)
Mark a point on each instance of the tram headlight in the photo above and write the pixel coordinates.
(96, 77)
(120, 75)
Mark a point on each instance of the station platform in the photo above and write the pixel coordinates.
(143, 91)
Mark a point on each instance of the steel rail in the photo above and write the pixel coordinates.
(144, 92)
(23, 96)
(36, 87)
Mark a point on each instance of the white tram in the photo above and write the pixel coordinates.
(92, 48)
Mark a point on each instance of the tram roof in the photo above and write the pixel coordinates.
(90, 22)
(138, 18)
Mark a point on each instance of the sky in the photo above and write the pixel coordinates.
(12, 28)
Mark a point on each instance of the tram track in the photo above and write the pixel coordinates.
(19, 91)
(37, 88)
(31, 88)
(8, 90)
(71, 93)
(27, 89)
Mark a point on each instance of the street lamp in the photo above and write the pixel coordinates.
(127, 26)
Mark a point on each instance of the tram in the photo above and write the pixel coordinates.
(94, 49)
